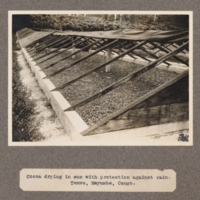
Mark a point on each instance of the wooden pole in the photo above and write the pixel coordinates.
(82, 59)
(127, 78)
(99, 67)
(73, 50)
(109, 57)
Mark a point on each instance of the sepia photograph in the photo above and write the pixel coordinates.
(100, 78)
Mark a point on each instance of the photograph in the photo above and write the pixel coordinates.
(100, 78)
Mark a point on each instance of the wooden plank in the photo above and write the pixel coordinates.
(44, 46)
(100, 44)
(118, 51)
(100, 66)
(150, 116)
(176, 45)
(64, 58)
(50, 44)
(57, 49)
(141, 56)
(32, 51)
(123, 49)
(39, 40)
(133, 105)
(153, 55)
(39, 43)
(124, 80)
(40, 46)
(84, 58)
(82, 49)
(109, 57)
(76, 62)
(167, 51)
(59, 52)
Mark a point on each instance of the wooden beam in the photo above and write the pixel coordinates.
(117, 51)
(100, 66)
(99, 44)
(151, 54)
(133, 104)
(41, 43)
(59, 52)
(57, 49)
(167, 51)
(78, 51)
(41, 39)
(137, 54)
(80, 60)
(44, 46)
(50, 44)
(154, 47)
(125, 79)
(109, 57)
(176, 45)
(64, 58)
(38, 45)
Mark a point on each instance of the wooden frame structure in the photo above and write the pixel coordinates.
(162, 101)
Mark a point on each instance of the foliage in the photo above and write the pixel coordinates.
(22, 109)
(101, 22)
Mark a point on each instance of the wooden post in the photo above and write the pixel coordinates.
(120, 21)
(73, 50)
(154, 18)
(109, 56)
(115, 18)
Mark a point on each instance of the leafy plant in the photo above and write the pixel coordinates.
(22, 109)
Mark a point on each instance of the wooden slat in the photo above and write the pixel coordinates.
(133, 104)
(176, 45)
(80, 60)
(50, 44)
(41, 39)
(76, 62)
(41, 44)
(43, 47)
(154, 47)
(125, 79)
(59, 52)
(137, 54)
(65, 57)
(78, 51)
(143, 117)
(153, 55)
(117, 52)
(167, 51)
(100, 66)
(57, 49)
(99, 44)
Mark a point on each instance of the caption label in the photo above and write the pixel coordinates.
(98, 180)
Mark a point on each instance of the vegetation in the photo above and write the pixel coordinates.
(101, 22)
(22, 109)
